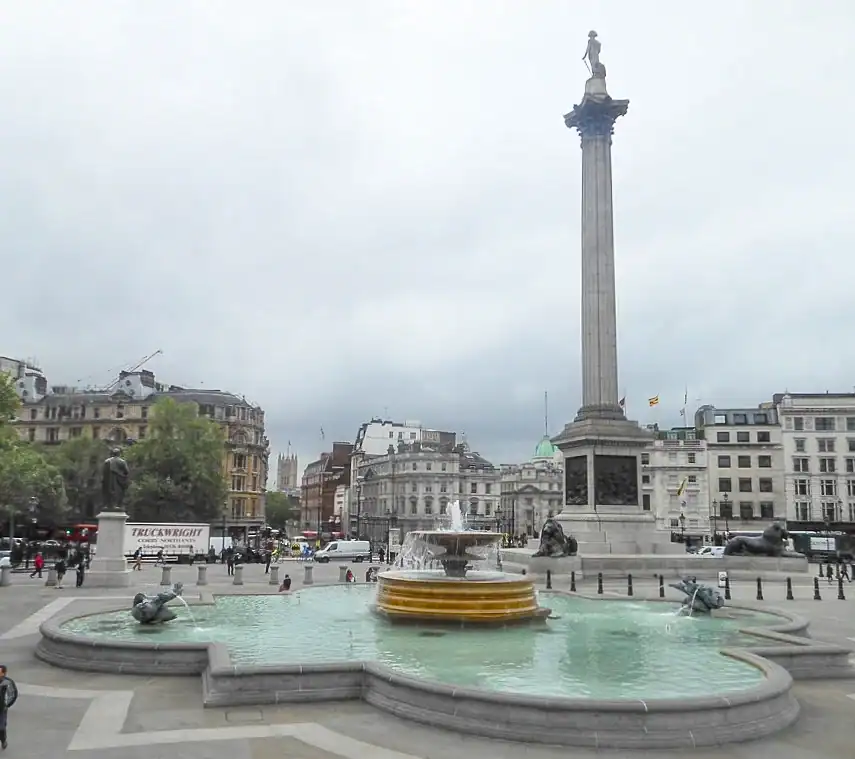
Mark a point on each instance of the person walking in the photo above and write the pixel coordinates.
(230, 563)
(138, 560)
(268, 557)
(61, 569)
(38, 565)
(8, 696)
(81, 572)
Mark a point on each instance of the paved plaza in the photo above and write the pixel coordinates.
(65, 713)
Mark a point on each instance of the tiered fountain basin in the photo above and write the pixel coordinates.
(601, 672)
(452, 593)
(481, 598)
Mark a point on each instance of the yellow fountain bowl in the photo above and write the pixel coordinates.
(491, 598)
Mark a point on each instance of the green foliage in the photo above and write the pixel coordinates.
(25, 474)
(9, 402)
(79, 462)
(279, 509)
(176, 471)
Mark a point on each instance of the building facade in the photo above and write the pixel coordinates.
(531, 492)
(319, 484)
(412, 485)
(675, 484)
(120, 414)
(287, 474)
(818, 433)
(746, 466)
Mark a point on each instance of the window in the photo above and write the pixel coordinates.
(120, 411)
(767, 510)
(96, 433)
(744, 462)
(415, 466)
(31, 434)
(33, 413)
(488, 488)
(724, 462)
(764, 462)
(473, 509)
(744, 484)
(825, 445)
(75, 432)
(412, 436)
(53, 434)
(473, 487)
(827, 465)
(850, 488)
(488, 509)
(801, 464)
(429, 466)
(746, 510)
(443, 488)
(691, 458)
(724, 485)
(828, 487)
(645, 458)
(803, 511)
(850, 423)
(764, 484)
(722, 437)
(444, 466)
(743, 437)
(240, 460)
(254, 483)
(391, 434)
(829, 511)
(801, 444)
(761, 419)
(645, 502)
(96, 413)
(428, 507)
(645, 479)
(693, 479)
(414, 488)
(801, 487)
(238, 482)
(141, 430)
(443, 507)
(823, 423)
(850, 444)
(414, 507)
(850, 466)
(725, 510)
(740, 419)
(852, 512)
(144, 412)
(675, 523)
(798, 423)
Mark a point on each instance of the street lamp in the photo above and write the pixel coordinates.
(500, 524)
(682, 527)
(725, 509)
(225, 509)
(359, 481)
(714, 518)
(393, 524)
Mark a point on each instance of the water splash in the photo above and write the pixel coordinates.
(458, 518)
(189, 611)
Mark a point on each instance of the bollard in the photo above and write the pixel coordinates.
(342, 573)
(820, 570)
(852, 570)
(274, 575)
(573, 581)
(202, 574)
(629, 585)
(600, 583)
(661, 586)
(307, 574)
(727, 588)
(549, 579)
(790, 596)
(759, 589)
(840, 596)
(5, 577)
(816, 595)
(238, 578)
(51, 578)
(166, 576)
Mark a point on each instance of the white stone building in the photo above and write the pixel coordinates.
(675, 483)
(532, 492)
(412, 486)
(746, 466)
(818, 432)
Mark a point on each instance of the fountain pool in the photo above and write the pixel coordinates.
(589, 649)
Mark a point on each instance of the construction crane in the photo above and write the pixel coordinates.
(134, 368)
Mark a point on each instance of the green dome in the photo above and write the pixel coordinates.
(545, 449)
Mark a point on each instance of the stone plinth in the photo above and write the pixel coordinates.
(109, 567)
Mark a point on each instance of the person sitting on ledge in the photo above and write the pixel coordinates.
(285, 587)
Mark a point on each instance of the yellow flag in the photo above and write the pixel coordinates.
(654, 401)
(682, 486)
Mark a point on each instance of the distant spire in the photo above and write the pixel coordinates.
(546, 413)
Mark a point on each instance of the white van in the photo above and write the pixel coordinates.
(346, 550)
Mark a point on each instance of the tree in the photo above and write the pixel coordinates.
(28, 481)
(177, 470)
(280, 508)
(79, 463)
(9, 402)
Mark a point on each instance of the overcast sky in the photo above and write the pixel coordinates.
(371, 208)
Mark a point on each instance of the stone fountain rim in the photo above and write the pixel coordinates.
(667, 722)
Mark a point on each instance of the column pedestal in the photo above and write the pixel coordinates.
(109, 567)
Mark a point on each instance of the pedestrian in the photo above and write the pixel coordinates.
(138, 559)
(230, 563)
(81, 572)
(268, 557)
(8, 696)
(349, 576)
(285, 587)
(159, 558)
(60, 568)
(38, 565)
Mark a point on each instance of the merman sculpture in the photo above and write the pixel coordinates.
(553, 543)
(150, 610)
(700, 598)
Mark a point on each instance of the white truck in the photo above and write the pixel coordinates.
(178, 540)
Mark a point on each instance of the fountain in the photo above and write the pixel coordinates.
(457, 593)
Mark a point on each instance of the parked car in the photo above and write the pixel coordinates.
(714, 552)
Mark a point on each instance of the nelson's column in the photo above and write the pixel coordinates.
(603, 506)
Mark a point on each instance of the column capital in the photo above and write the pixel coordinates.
(595, 116)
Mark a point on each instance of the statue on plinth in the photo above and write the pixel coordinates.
(151, 610)
(773, 543)
(553, 543)
(592, 55)
(700, 598)
(115, 478)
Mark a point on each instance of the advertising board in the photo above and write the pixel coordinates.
(174, 538)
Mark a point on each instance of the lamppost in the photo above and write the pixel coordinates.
(359, 481)
(225, 509)
(393, 525)
(714, 518)
(500, 522)
(725, 509)
(682, 527)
